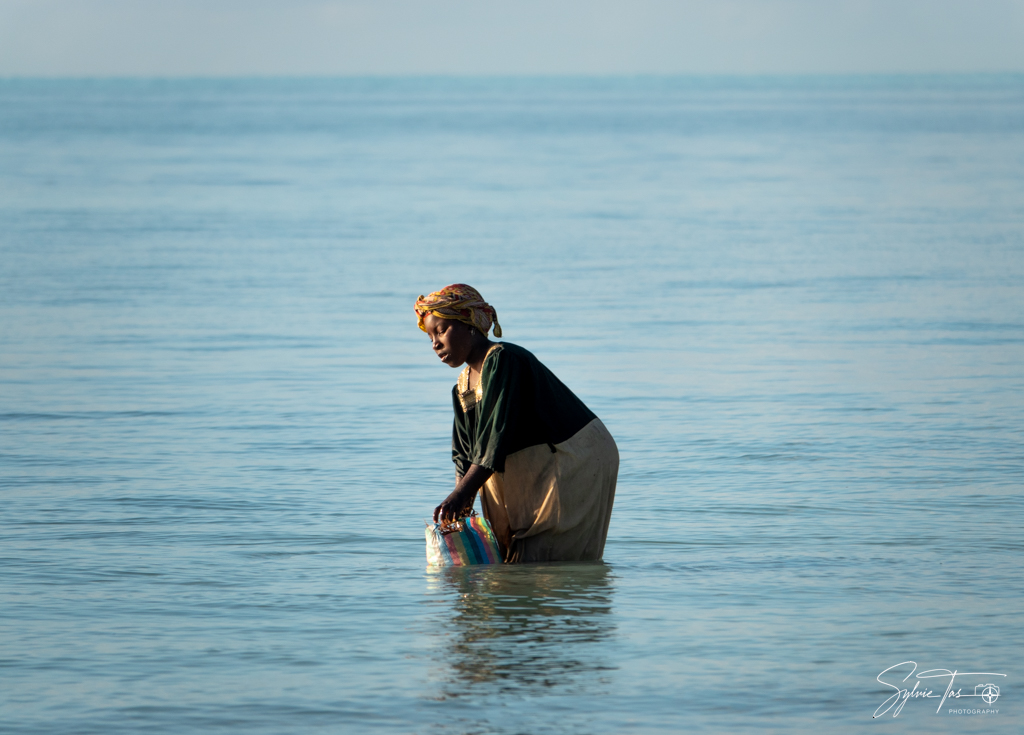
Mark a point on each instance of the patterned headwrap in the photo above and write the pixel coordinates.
(461, 302)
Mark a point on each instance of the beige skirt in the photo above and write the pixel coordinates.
(555, 506)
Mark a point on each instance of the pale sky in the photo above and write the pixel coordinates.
(354, 37)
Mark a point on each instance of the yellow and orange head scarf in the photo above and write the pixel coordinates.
(461, 302)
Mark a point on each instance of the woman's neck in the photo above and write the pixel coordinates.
(478, 354)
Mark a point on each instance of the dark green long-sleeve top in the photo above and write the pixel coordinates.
(518, 404)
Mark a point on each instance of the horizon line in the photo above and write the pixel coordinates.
(508, 76)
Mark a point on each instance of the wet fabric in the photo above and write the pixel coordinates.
(471, 541)
(555, 506)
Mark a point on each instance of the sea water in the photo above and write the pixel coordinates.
(797, 304)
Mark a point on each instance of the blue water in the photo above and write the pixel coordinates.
(797, 304)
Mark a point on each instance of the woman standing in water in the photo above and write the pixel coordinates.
(546, 464)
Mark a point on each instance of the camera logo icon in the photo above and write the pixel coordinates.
(989, 693)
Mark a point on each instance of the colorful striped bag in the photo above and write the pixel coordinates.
(467, 541)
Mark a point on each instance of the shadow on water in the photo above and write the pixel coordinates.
(528, 628)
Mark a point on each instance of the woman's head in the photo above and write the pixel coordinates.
(457, 320)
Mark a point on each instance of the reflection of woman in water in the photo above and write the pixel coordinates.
(545, 462)
(525, 628)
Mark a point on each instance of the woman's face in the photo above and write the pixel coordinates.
(450, 338)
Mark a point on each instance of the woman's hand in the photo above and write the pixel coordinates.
(461, 498)
(454, 506)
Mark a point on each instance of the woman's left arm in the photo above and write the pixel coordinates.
(463, 495)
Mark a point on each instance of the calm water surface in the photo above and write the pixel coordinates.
(796, 303)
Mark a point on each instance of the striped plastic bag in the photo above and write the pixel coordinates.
(465, 542)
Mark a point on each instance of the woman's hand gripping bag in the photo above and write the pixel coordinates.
(465, 542)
